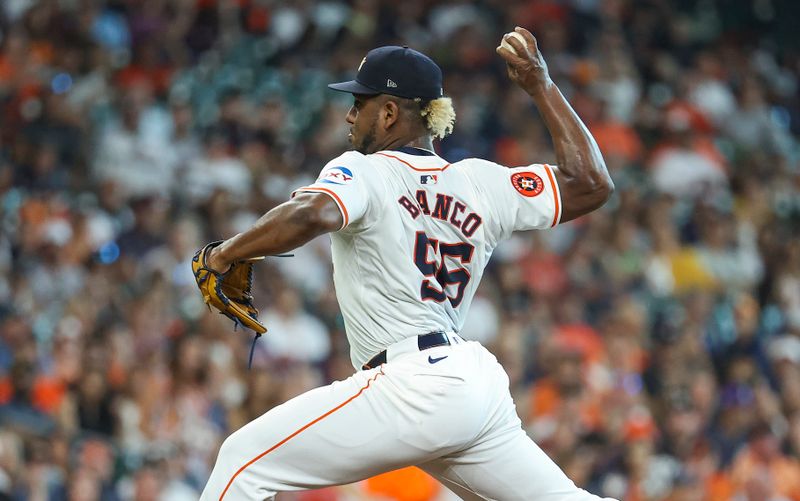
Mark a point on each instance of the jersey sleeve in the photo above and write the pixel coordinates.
(521, 198)
(347, 181)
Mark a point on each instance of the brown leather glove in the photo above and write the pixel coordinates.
(229, 292)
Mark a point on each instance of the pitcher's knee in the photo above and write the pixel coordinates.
(582, 495)
(231, 452)
(233, 456)
(239, 472)
(574, 494)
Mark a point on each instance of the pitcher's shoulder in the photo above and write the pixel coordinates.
(349, 157)
(477, 167)
(350, 163)
(475, 163)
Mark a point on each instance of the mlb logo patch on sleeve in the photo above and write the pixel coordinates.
(527, 184)
(336, 175)
(428, 179)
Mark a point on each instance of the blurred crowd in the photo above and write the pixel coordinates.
(653, 346)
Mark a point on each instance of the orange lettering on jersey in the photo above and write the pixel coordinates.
(409, 206)
(422, 201)
(441, 211)
(442, 208)
(458, 207)
(471, 223)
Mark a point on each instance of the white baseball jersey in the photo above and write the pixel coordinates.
(417, 234)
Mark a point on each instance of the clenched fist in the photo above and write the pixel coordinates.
(526, 67)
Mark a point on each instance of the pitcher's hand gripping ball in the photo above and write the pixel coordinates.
(506, 45)
(229, 292)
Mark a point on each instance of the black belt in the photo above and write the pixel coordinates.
(424, 341)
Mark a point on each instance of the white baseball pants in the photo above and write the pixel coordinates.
(447, 410)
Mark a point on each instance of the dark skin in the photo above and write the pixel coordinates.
(582, 175)
(384, 122)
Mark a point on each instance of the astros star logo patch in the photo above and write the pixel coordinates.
(527, 184)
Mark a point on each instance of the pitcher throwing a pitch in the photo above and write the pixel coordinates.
(411, 235)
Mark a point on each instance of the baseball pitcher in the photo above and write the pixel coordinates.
(411, 235)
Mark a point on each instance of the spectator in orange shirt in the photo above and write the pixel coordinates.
(561, 406)
(616, 139)
(406, 484)
(761, 466)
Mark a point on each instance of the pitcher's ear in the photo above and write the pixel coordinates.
(390, 113)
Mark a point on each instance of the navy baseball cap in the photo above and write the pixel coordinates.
(398, 71)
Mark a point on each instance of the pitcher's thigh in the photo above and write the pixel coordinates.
(331, 435)
(509, 467)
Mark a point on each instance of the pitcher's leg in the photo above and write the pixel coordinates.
(438, 470)
(330, 435)
(503, 463)
(509, 467)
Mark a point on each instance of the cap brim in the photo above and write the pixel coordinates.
(353, 87)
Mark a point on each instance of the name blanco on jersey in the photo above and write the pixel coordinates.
(445, 208)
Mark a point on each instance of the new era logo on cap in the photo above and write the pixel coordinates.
(389, 83)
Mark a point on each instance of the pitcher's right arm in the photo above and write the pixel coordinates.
(583, 179)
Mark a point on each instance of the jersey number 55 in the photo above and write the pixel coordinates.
(436, 289)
